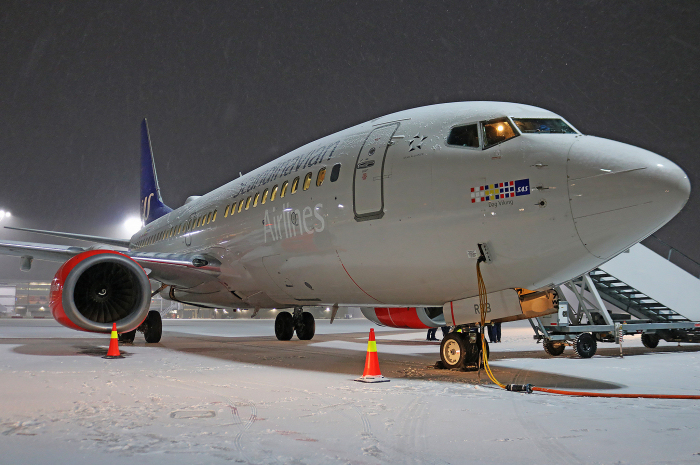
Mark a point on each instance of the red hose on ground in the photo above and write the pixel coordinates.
(622, 396)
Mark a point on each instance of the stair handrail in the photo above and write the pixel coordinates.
(671, 250)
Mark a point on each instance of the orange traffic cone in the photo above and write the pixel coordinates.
(113, 351)
(372, 373)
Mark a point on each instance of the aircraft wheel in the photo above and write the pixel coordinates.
(306, 327)
(553, 348)
(153, 327)
(284, 326)
(650, 340)
(127, 338)
(585, 345)
(453, 350)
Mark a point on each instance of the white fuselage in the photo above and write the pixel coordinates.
(401, 223)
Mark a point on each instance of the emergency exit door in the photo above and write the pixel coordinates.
(368, 184)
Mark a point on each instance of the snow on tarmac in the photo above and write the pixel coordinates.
(165, 406)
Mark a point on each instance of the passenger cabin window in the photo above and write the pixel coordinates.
(295, 184)
(247, 203)
(543, 126)
(240, 205)
(209, 218)
(497, 131)
(307, 180)
(226, 211)
(335, 172)
(283, 191)
(255, 200)
(273, 193)
(321, 176)
(264, 198)
(464, 136)
(214, 216)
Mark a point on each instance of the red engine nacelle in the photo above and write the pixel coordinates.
(97, 288)
(406, 317)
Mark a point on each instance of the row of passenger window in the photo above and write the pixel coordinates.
(276, 191)
(189, 225)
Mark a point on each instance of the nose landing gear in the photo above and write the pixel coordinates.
(300, 321)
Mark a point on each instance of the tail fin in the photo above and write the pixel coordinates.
(152, 206)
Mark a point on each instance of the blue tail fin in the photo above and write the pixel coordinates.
(152, 206)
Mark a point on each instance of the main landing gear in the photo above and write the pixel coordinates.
(461, 349)
(152, 329)
(301, 322)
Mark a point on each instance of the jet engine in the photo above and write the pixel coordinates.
(406, 317)
(96, 288)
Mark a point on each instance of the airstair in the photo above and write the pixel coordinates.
(637, 292)
(631, 300)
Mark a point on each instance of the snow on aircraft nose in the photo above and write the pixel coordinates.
(619, 194)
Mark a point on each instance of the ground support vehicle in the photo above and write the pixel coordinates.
(584, 324)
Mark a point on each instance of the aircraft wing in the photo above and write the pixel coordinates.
(182, 270)
(48, 252)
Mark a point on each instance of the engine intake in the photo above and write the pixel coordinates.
(97, 288)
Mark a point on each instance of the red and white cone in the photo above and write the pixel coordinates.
(372, 373)
(113, 351)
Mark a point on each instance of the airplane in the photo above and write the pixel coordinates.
(391, 215)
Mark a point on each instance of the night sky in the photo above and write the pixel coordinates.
(228, 86)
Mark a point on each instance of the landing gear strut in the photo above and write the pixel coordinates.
(300, 321)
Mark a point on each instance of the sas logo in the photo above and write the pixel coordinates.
(500, 190)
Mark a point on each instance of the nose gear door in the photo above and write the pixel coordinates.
(368, 183)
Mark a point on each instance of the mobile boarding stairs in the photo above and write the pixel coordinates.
(637, 292)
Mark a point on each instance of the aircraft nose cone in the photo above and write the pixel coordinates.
(619, 194)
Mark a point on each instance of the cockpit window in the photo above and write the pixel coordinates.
(543, 126)
(464, 136)
(497, 131)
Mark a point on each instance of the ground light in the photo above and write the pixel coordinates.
(132, 225)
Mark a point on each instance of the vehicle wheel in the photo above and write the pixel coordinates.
(553, 348)
(127, 338)
(153, 327)
(284, 326)
(585, 345)
(453, 350)
(307, 327)
(650, 340)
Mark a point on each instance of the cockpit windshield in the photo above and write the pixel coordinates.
(543, 126)
(497, 131)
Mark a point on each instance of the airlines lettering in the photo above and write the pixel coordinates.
(288, 166)
(290, 223)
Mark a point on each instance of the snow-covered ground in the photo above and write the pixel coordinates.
(166, 406)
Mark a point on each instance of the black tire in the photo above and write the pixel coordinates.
(650, 340)
(153, 327)
(127, 338)
(553, 348)
(453, 350)
(585, 345)
(284, 326)
(307, 327)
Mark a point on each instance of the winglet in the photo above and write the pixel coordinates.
(152, 206)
